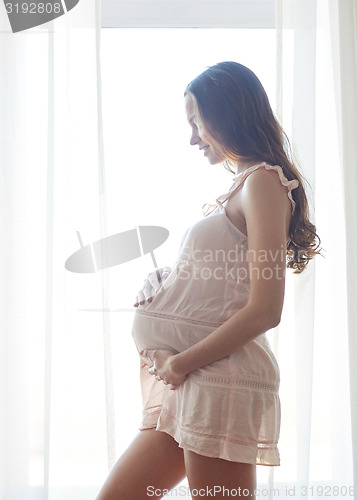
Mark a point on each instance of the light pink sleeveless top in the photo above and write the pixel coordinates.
(209, 281)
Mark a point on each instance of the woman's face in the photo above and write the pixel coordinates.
(199, 135)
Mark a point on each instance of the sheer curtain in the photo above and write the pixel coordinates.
(53, 410)
(317, 103)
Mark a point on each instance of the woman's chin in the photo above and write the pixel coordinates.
(213, 158)
(215, 161)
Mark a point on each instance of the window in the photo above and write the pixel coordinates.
(153, 175)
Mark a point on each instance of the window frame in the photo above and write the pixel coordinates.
(187, 14)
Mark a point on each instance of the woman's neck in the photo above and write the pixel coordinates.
(241, 166)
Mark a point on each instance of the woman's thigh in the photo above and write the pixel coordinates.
(153, 462)
(218, 478)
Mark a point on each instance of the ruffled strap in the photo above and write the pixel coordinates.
(241, 177)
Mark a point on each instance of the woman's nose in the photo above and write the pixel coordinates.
(194, 138)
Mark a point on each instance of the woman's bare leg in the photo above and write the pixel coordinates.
(152, 460)
(209, 476)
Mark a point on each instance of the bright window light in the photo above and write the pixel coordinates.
(153, 175)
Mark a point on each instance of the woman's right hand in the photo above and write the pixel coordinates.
(152, 285)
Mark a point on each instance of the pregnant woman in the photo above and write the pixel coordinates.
(209, 379)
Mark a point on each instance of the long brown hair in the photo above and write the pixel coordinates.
(236, 112)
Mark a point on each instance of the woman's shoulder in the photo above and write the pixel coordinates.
(268, 182)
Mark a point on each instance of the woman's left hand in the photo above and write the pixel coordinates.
(162, 367)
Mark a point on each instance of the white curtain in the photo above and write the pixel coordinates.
(53, 416)
(317, 103)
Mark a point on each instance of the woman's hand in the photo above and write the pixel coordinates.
(152, 285)
(163, 367)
